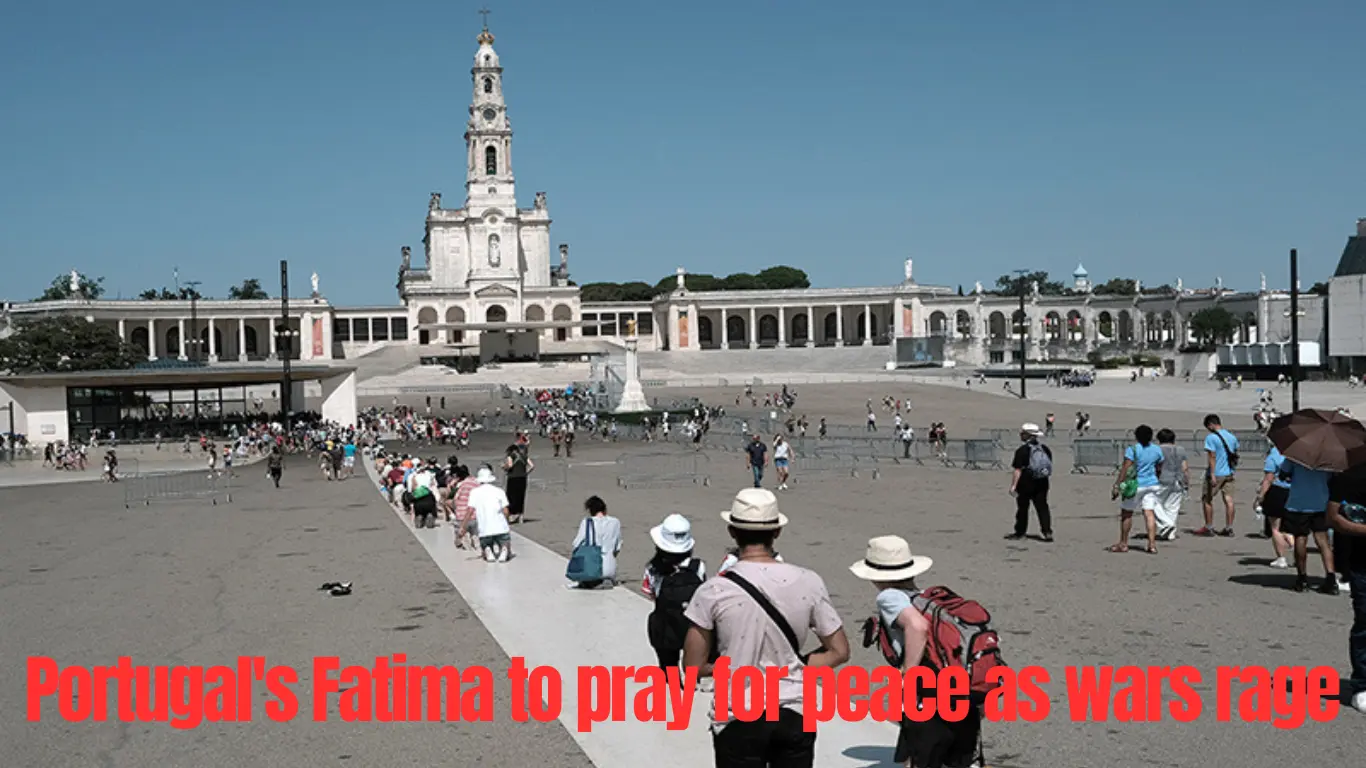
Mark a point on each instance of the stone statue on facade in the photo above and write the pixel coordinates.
(495, 252)
(909, 279)
(407, 258)
(75, 283)
(1218, 284)
(435, 203)
(540, 201)
(977, 288)
(314, 281)
(1179, 287)
(680, 277)
(1033, 287)
(1263, 282)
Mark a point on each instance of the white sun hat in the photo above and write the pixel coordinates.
(755, 509)
(889, 558)
(485, 476)
(1030, 428)
(673, 535)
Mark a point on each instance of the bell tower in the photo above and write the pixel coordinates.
(488, 136)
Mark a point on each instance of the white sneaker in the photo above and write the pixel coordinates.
(1344, 586)
(1280, 562)
(1359, 702)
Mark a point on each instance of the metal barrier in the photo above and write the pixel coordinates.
(193, 484)
(552, 477)
(843, 463)
(1096, 453)
(663, 470)
(980, 453)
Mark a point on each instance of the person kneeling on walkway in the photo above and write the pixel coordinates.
(758, 614)
(490, 506)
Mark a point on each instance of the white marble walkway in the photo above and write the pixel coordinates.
(526, 608)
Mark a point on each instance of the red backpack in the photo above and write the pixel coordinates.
(959, 636)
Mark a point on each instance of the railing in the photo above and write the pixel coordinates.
(663, 470)
(162, 486)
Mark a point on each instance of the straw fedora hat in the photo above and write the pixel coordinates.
(755, 509)
(889, 558)
(673, 535)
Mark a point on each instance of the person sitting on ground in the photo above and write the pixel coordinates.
(606, 534)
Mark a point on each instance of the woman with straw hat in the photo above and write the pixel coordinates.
(890, 566)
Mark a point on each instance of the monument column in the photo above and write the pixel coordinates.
(181, 337)
(782, 326)
(725, 330)
(839, 325)
(867, 325)
(213, 343)
(151, 339)
(241, 339)
(753, 331)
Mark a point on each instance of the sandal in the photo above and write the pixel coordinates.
(1150, 550)
(1117, 548)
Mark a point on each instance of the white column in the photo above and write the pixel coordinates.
(151, 339)
(782, 326)
(306, 336)
(694, 341)
(274, 342)
(725, 332)
(753, 330)
(811, 326)
(213, 345)
(181, 325)
(242, 339)
(122, 336)
(899, 311)
(867, 324)
(839, 325)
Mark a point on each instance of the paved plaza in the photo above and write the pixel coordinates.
(191, 583)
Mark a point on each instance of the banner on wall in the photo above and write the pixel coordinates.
(907, 322)
(317, 337)
(682, 331)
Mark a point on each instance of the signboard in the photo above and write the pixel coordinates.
(317, 337)
(922, 350)
(48, 429)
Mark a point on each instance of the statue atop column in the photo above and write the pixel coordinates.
(540, 201)
(75, 284)
(1219, 284)
(680, 278)
(977, 288)
(1179, 287)
(435, 203)
(909, 279)
(1263, 282)
(314, 281)
(407, 258)
(1034, 288)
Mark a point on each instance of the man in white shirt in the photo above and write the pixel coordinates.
(490, 505)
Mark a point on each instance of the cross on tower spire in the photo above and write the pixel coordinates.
(485, 13)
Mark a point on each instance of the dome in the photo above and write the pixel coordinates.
(1080, 271)
(486, 57)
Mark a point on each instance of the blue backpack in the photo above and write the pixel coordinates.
(585, 564)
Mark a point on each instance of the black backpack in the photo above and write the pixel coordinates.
(667, 625)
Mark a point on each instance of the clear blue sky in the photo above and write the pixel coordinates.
(1155, 139)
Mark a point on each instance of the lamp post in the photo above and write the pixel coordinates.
(11, 441)
(193, 287)
(1024, 324)
(285, 347)
(1294, 330)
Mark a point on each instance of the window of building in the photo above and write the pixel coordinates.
(488, 85)
(996, 357)
(360, 330)
(379, 329)
(398, 328)
(590, 330)
(645, 323)
(490, 161)
(608, 326)
(1014, 355)
(341, 329)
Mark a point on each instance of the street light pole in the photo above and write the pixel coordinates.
(193, 286)
(1024, 324)
(1294, 330)
(285, 346)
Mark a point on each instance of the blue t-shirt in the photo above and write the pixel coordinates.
(1145, 459)
(1274, 462)
(349, 450)
(1308, 488)
(1216, 446)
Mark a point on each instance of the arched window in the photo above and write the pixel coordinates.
(488, 85)
(490, 161)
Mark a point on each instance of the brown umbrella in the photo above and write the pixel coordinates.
(1320, 439)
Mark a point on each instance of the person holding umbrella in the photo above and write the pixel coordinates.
(1316, 444)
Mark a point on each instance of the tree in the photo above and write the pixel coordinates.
(65, 343)
(1117, 286)
(60, 288)
(249, 290)
(783, 278)
(1213, 325)
(1009, 285)
(1319, 289)
(158, 294)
